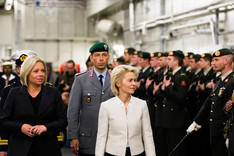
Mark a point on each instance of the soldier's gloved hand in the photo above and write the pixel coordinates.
(227, 143)
(193, 127)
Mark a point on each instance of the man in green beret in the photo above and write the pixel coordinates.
(145, 72)
(214, 104)
(173, 116)
(89, 90)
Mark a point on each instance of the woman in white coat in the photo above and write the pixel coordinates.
(124, 124)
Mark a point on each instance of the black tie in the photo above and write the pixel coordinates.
(100, 76)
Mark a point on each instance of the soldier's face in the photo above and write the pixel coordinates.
(154, 62)
(192, 64)
(37, 75)
(203, 63)
(100, 60)
(127, 57)
(134, 60)
(7, 70)
(127, 84)
(171, 61)
(186, 61)
(162, 62)
(218, 63)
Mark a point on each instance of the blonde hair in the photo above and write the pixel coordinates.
(27, 67)
(118, 74)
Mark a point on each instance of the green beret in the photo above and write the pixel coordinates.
(120, 60)
(188, 54)
(164, 54)
(206, 55)
(130, 51)
(99, 47)
(222, 52)
(177, 53)
(154, 54)
(144, 55)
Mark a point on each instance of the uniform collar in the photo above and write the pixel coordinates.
(176, 70)
(225, 75)
(145, 68)
(207, 71)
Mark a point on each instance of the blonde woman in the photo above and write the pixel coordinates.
(33, 114)
(124, 125)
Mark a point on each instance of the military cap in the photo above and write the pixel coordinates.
(120, 60)
(222, 52)
(177, 53)
(144, 55)
(130, 51)
(188, 54)
(154, 54)
(206, 55)
(164, 54)
(20, 56)
(99, 47)
(136, 52)
(7, 63)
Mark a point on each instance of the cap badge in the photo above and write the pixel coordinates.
(23, 57)
(170, 53)
(217, 53)
(105, 46)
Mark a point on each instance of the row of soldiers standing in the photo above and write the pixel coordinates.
(180, 88)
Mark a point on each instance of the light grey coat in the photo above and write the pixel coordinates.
(85, 98)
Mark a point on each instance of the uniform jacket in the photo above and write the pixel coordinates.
(85, 98)
(113, 130)
(214, 104)
(171, 112)
(143, 76)
(18, 110)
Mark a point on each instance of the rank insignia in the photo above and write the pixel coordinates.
(88, 99)
(227, 79)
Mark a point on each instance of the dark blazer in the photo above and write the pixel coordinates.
(18, 110)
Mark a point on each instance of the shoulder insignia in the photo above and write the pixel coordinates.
(151, 69)
(183, 83)
(109, 72)
(227, 79)
(7, 86)
(91, 73)
(182, 74)
(49, 84)
(78, 74)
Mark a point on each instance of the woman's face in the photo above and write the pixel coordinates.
(128, 84)
(37, 74)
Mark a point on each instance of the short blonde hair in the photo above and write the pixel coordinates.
(118, 74)
(27, 67)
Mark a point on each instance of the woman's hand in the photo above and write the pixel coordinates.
(27, 130)
(38, 129)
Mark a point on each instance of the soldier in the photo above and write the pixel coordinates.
(128, 53)
(145, 72)
(214, 104)
(171, 114)
(89, 90)
(135, 60)
(117, 62)
(19, 58)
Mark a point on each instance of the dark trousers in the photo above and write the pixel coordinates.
(167, 139)
(218, 147)
(128, 153)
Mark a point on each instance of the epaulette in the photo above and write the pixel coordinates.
(182, 74)
(78, 74)
(7, 86)
(49, 84)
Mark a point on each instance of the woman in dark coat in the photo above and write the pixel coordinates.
(34, 113)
